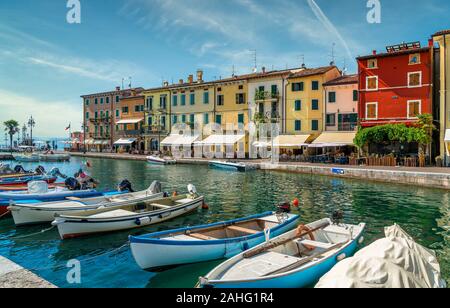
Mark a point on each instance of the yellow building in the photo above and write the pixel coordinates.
(305, 102)
(157, 116)
(443, 66)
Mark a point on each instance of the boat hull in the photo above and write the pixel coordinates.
(300, 279)
(24, 180)
(229, 167)
(157, 254)
(69, 228)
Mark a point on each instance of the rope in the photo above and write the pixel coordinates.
(32, 234)
(4, 214)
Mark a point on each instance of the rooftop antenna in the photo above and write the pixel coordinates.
(302, 57)
(233, 71)
(333, 58)
(344, 69)
(130, 82)
(123, 87)
(255, 67)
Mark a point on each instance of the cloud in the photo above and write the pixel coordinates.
(52, 117)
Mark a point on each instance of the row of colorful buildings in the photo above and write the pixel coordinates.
(319, 105)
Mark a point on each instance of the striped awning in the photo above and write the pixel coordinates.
(334, 139)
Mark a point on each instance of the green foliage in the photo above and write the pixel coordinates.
(397, 132)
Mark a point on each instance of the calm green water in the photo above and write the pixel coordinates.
(424, 213)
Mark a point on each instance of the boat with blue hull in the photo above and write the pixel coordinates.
(161, 250)
(230, 166)
(296, 259)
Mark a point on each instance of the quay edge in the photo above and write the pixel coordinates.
(14, 276)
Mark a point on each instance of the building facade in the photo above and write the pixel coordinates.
(341, 107)
(396, 86)
(100, 116)
(305, 102)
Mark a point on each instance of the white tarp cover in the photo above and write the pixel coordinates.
(37, 187)
(392, 262)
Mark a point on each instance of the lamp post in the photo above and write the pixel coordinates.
(31, 124)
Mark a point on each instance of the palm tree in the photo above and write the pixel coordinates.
(12, 128)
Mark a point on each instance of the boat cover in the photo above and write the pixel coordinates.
(37, 187)
(395, 261)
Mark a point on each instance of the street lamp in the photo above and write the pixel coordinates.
(31, 124)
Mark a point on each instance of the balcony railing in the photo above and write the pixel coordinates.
(266, 95)
(99, 135)
(101, 120)
(130, 133)
(152, 130)
(347, 127)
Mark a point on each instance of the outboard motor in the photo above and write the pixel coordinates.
(5, 169)
(19, 169)
(72, 184)
(56, 172)
(192, 189)
(284, 208)
(77, 174)
(40, 170)
(155, 188)
(125, 185)
(337, 217)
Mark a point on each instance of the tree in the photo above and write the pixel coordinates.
(12, 128)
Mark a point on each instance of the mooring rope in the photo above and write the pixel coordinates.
(32, 234)
(4, 214)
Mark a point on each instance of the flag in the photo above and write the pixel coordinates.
(68, 127)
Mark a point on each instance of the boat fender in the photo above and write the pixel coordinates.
(361, 240)
(164, 215)
(341, 257)
(166, 194)
(174, 194)
(245, 247)
(302, 229)
(205, 206)
(143, 221)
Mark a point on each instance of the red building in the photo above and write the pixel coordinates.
(395, 86)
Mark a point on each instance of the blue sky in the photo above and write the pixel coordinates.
(46, 63)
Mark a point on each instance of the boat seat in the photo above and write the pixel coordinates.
(315, 244)
(184, 201)
(272, 218)
(243, 230)
(201, 236)
(160, 206)
(73, 198)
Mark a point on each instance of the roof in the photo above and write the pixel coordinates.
(443, 32)
(393, 54)
(138, 90)
(350, 79)
(312, 71)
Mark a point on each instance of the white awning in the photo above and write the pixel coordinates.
(291, 141)
(130, 121)
(334, 139)
(169, 140)
(179, 140)
(447, 135)
(222, 140)
(262, 144)
(125, 141)
(98, 142)
(89, 141)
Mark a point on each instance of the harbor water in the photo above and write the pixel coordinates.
(106, 260)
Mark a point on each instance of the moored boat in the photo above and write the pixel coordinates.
(24, 179)
(226, 165)
(208, 242)
(130, 216)
(33, 212)
(293, 260)
(54, 157)
(27, 157)
(155, 160)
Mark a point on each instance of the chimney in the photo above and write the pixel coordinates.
(199, 76)
(263, 69)
(191, 79)
(374, 52)
(165, 83)
(117, 88)
(181, 81)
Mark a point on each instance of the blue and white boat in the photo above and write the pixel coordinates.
(226, 165)
(296, 259)
(207, 242)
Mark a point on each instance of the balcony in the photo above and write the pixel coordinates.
(347, 127)
(99, 136)
(129, 133)
(104, 120)
(154, 130)
(262, 96)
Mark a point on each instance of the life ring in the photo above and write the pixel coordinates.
(301, 229)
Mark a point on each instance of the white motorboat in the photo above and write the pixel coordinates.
(156, 160)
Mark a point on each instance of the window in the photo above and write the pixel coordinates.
(137, 108)
(298, 105)
(107, 114)
(298, 86)
(315, 85)
(315, 125)
(206, 118)
(218, 119)
(241, 118)
(192, 99)
(150, 103)
(240, 98)
(262, 89)
(220, 100)
(332, 97)
(414, 109)
(192, 119)
(96, 101)
(315, 104)
(96, 115)
(175, 119)
(372, 83)
(206, 97)
(117, 98)
(162, 101)
(183, 118)
(117, 113)
(355, 95)
(414, 59)
(241, 87)
(150, 121)
(124, 109)
(298, 125)
(175, 100)
(274, 89)
(101, 101)
(101, 114)
(183, 99)
(372, 111)
(107, 100)
(87, 115)
(331, 119)
(414, 79)
(87, 102)
(372, 63)
(163, 123)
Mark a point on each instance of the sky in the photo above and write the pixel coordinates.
(47, 63)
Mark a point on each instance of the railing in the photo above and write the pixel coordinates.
(130, 133)
(266, 95)
(347, 127)
(101, 120)
(154, 131)
(99, 136)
